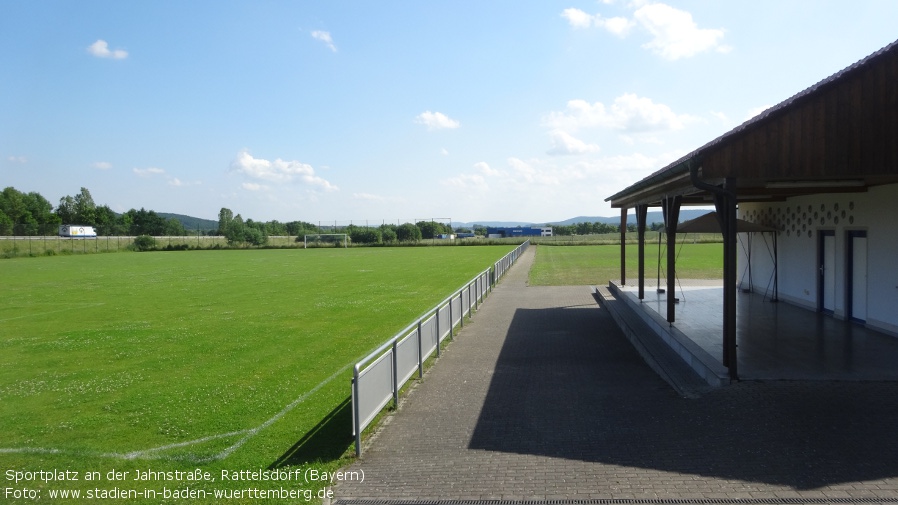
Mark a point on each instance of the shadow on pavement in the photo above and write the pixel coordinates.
(568, 384)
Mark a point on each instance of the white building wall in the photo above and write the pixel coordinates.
(800, 221)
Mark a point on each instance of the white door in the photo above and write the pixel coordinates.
(859, 278)
(828, 272)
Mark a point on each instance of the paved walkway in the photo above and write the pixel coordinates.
(541, 397)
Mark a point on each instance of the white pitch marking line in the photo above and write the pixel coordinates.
(151, 453)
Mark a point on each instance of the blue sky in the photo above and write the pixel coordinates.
(394, 111)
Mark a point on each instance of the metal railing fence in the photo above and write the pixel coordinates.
(378, 377)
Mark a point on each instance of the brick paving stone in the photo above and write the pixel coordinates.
(541, 397)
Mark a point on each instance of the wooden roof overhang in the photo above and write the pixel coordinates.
(840, 135)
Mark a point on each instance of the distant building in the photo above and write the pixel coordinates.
(518, 231)
(77, 231)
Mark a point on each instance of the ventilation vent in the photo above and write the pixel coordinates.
(799, 221)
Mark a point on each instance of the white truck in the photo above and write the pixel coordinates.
(77, 231)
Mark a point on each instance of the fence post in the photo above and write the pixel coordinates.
(355, 411)
(476, 285)
(420, 353)
(436, 317)
(461, 304)
(395, 359)
(451, 322)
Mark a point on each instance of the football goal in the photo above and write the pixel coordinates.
(325, 239)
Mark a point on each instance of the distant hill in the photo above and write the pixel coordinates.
(191, 223)
(196, 223)
(651, 217)
(497, 224)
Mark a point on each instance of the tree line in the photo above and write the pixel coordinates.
(30, 214)
(246, 231)
(597, 228)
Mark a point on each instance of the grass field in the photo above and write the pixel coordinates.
(16, 247)
(597, 264)
(219, 360)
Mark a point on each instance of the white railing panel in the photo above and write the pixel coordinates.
(443, 317)
(375, 387)
(428, 337)
(407, 357)
(456, 311)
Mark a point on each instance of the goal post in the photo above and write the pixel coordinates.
(319, 239)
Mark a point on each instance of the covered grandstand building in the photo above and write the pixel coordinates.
(821, 168)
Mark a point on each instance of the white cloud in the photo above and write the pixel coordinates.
(551, 187)
(721, 116)
(579, 19)
(18, 159)
(467, 182)
(178, 183)
(148, 172)
(629, 112)
(484, 168)
(444, 152)
(279, 171)
(478, 181)
(100, 49)
(436, 120)
(617, 25)
(102, 165)
(368, 197)
(518, 174)
(675, 34)
(533, 172)
(371, 198)
(326, 38)
(565, 143)
(252, 186)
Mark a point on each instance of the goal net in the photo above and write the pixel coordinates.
(326, 240)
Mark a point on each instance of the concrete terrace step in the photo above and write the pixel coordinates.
(658, 355)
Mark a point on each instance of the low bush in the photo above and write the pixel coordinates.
(144, 243)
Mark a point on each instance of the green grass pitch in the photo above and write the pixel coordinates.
(213, 359)
(597, 264)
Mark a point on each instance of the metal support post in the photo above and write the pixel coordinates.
(420, 353)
